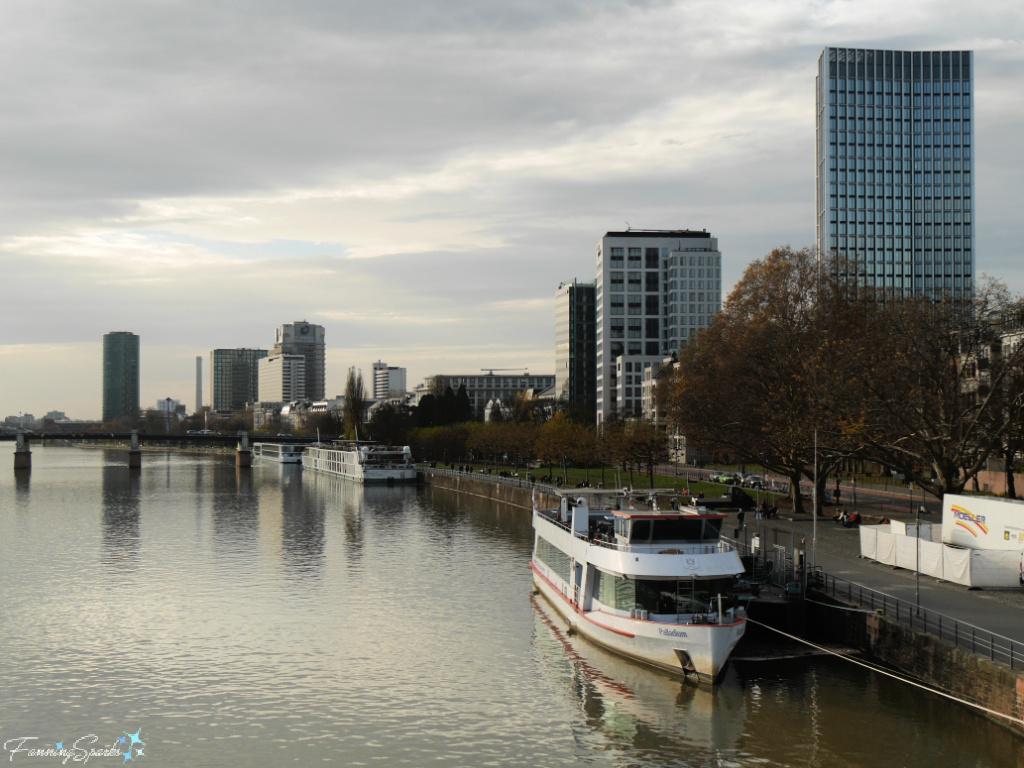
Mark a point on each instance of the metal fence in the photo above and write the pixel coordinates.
(492, 477)
(978, 641)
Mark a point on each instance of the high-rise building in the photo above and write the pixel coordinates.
(199, 384)
(121, 375)
(388, 381)
(895, 186)
(575, 350)
(655, 289)
(305, 339)
(282, 378)
(234, 378)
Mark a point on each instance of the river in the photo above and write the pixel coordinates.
(214, 616)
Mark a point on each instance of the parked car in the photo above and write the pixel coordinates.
(726, 479)
(753, 481)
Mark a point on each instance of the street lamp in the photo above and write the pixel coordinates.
(917, 575)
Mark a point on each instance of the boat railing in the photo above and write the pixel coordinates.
(661, 548)
(664, 548)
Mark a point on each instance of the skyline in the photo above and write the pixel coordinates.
(417, 183)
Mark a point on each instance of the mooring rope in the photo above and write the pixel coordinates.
(888, 673)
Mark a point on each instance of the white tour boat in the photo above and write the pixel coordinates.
(657, 586)
(279, 452)
(364, 463)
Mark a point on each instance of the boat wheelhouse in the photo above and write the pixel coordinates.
(364, 463)
(656, 585)
(279, 452)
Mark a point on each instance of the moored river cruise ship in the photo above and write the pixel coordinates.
(657, 586)
(279, 452)
(364, 463)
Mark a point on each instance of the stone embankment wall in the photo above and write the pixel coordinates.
(966, 675)
(484, 489)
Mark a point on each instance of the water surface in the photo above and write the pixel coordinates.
(259, 618)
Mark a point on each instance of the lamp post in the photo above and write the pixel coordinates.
(814, 519)
(917, 574)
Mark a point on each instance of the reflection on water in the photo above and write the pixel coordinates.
(235, 512)
(261, 617)
(627, 707)
(120, 493)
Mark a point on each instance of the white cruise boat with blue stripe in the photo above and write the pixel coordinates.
(653, 585)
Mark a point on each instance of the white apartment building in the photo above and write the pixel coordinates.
(282, 378)
(485, 387)
(388, 381)
(654, 290)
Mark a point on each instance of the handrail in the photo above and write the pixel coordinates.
(515, 482)
(979, 641)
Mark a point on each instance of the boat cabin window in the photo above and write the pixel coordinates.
(662, 596)
(668, 529)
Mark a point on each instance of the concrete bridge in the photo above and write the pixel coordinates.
(135, 438)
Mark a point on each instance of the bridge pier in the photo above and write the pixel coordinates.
(243, 454)
(135, 453)
(22, 454)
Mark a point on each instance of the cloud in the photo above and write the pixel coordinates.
(418, 179)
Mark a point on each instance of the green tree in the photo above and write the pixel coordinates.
(446, 408)
(463, 406)
(391, 424)
(426, 412)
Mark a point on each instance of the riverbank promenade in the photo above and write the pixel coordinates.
(836, 551)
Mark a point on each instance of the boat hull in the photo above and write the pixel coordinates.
(346, 464)
(682, 649)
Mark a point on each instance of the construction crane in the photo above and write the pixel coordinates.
(490, 371)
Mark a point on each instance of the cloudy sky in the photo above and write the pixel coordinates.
(417, 177)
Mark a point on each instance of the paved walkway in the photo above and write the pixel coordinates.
(837, 551)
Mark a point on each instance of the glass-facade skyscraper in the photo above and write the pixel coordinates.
(895, 182)
(234, 378)
(121, 375)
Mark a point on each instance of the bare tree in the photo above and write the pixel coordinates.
(355, 403)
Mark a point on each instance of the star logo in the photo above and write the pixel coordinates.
(135, 738)
(134, 742)
(60, 745)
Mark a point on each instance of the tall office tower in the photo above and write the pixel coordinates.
(199, 384)
(388, 381)
(894, 179)
(575, 351)
(120, 375)
(655, 289)
(305, 339)
(234, 378)
(282, 378)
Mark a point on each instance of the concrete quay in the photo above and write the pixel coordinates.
(973, 670)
